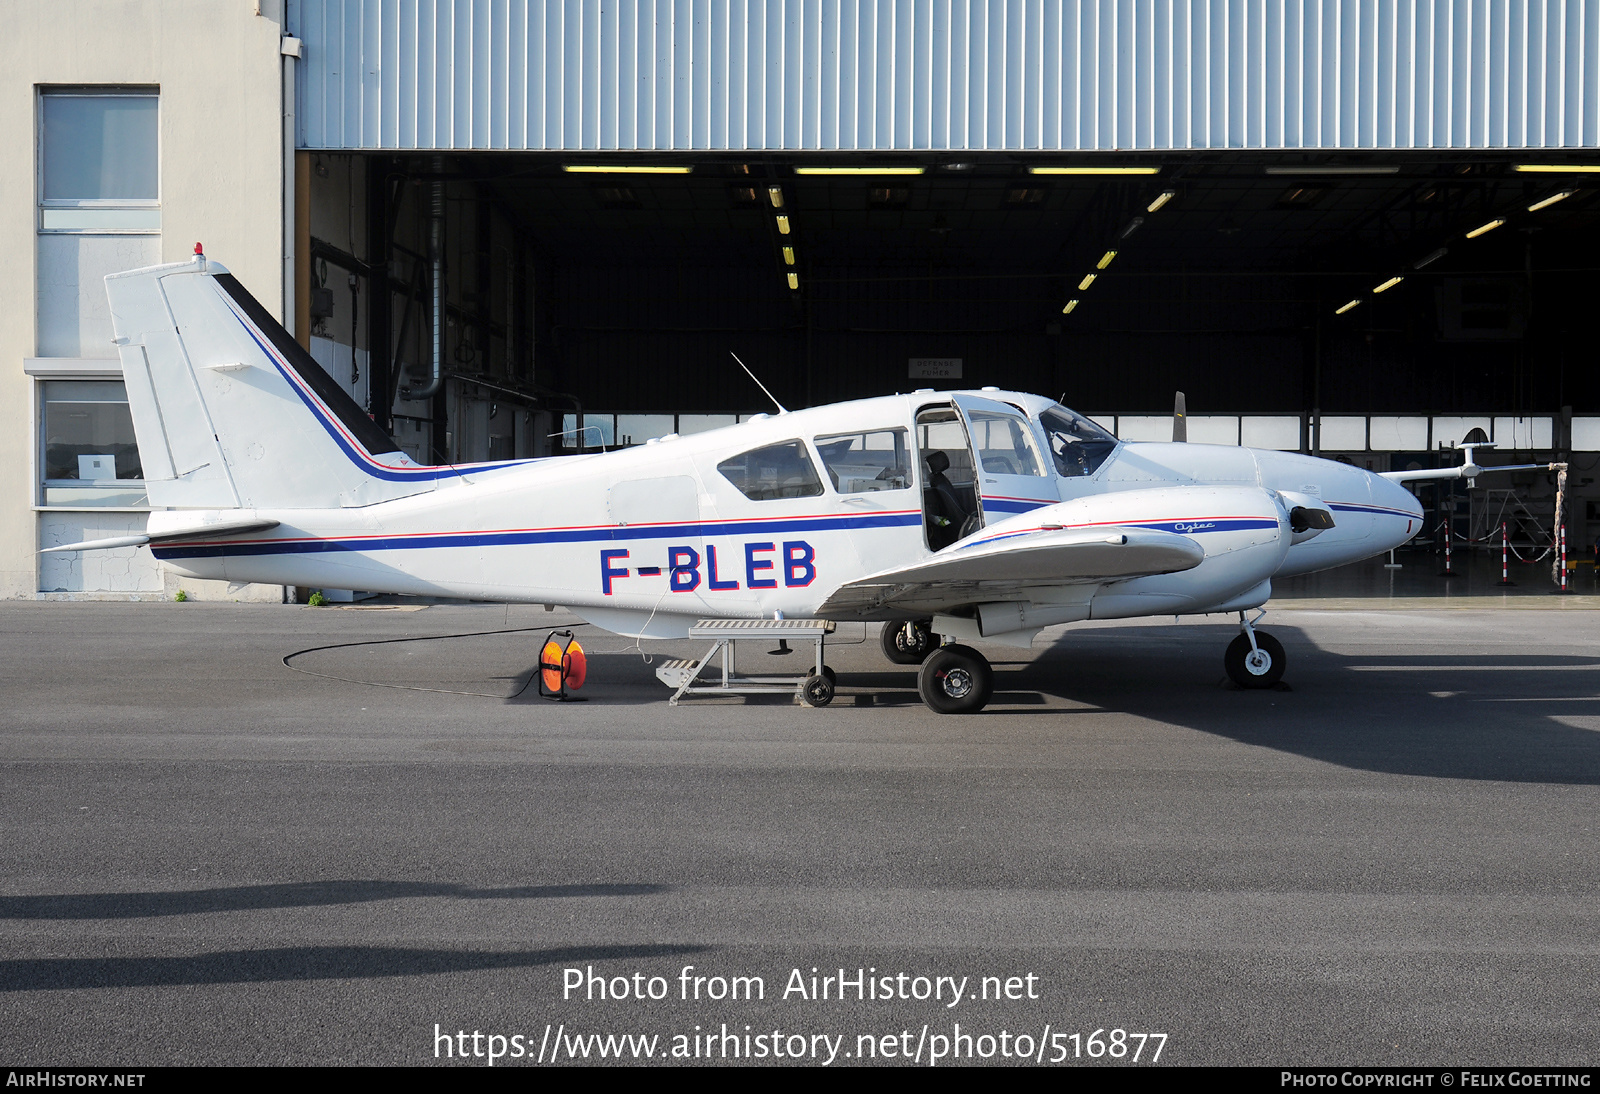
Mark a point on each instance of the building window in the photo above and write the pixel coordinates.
(99, 209)
(88, 455)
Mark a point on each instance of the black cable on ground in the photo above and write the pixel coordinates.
(422, 638)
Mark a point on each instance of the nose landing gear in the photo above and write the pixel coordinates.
(1255, 659)
(908, 643)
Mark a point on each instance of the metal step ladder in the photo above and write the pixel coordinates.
(814, 687)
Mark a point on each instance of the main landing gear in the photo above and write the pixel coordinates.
(952, 680)
(955, 680)
(1255, 659)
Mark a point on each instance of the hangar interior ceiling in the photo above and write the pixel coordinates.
(635, 287)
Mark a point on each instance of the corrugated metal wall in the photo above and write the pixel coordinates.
(991, 75)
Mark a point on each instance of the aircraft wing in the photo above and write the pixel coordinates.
(961, 575)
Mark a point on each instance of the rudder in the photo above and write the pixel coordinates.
(230, 412)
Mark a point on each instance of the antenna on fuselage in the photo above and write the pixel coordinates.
(781, 408)
(1180, 423)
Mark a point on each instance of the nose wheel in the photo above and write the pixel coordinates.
(1255, 659)
(908, 643)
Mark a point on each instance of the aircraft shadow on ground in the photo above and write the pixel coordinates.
(295, 963)
(1495, 716)
(302, 894)
(1468, 715)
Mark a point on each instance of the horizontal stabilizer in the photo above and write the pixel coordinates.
(170, 535)
(965, 575)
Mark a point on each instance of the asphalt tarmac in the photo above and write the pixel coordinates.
(209, 858)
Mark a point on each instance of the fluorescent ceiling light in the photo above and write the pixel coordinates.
(1557, 168)
(775, 193)
(1347, 307)
(1485, 228)
(622, 169)
(1094, 170)
(1161, 199)
(1133, 226)
(794, 280)
(1389, 284)
(1335, 169)
(1551, 200)
(783, 225)
(788, 256)
(1068, 309)
(1088, 280)
(859, 170)
(1105, 260)
(1426, 259)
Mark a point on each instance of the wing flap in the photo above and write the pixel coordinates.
(960, 575)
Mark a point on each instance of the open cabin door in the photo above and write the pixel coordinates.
(951, 507)
(1013, 476)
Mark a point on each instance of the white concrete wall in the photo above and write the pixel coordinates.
(218, 68)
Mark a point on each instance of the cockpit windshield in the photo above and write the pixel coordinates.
(1078, 445)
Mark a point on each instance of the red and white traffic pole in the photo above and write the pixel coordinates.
(1561, 542)
(1505, 556)
(1448, 570)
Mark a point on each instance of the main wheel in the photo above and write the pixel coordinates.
(908, 651)
(955, 680)
(1261, 667)
(817, 691)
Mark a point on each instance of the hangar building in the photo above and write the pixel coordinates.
(520, 227)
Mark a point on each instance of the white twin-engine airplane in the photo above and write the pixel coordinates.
(954, 517)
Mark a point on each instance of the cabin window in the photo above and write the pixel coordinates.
(781, 470)
(1003, 443)
(860, 463)
(1078, 446)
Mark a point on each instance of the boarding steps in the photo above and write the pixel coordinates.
(814, 687)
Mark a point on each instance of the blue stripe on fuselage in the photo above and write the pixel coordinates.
(697, 529)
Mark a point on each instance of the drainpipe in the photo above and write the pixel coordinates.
(436, 261)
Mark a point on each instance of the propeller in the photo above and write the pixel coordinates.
(1180, 426)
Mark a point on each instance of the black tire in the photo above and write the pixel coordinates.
(1261, 671)
(902, 652)
(955, 680)
(817, 691)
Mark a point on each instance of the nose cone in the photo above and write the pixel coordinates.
(1392, 495)
(1398, 512)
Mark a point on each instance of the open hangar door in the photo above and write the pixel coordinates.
(600, 296)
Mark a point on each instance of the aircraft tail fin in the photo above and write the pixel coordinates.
(1180, 422)
(230, 412)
